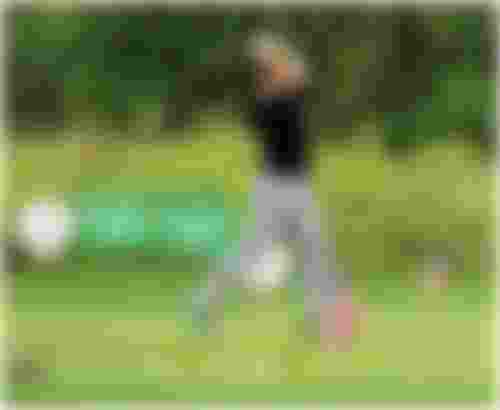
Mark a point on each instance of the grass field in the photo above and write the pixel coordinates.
(130, 340)
(440, 202)
(126, 336)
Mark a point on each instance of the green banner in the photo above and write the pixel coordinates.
(197, 223)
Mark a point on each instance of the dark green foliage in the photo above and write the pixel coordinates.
(461, 101)
(426, 74)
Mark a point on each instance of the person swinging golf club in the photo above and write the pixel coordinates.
(282, 197)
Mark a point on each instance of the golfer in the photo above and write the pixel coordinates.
(282, 197)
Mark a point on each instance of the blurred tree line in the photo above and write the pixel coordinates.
(419, 74)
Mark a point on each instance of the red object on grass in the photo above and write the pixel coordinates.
(338, 324)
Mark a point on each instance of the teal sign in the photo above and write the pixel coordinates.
(202, 225)
(112, 226)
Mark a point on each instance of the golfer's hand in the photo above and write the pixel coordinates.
(282, 79)
(290, 77)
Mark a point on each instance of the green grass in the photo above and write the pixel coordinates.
(134, 343)
(441, 202)
(122, 336)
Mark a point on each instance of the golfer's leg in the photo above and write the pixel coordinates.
(320, 285)
(326, 306)
(241, 259)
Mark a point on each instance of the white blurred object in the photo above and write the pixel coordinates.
(45, 227)
(272, 270)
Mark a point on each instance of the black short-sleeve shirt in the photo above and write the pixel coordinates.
(281, 125)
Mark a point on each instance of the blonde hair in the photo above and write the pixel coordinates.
(279, 48)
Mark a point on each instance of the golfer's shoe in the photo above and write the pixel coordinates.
(201, 323)
(338, 324)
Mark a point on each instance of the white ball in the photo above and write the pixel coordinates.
(45, 228)
(272, 270)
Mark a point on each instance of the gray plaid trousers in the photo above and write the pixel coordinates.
(284, 210)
